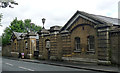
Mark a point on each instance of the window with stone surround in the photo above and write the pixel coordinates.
(77, 43)
(91, 43)
(26, 44)
(47, 43)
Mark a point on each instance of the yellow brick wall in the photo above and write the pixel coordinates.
(83, 34)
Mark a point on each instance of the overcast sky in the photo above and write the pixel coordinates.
(56, 12)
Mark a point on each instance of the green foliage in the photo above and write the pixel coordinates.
(0, 25)
(18, 26)
(6, 36)
(0, 41)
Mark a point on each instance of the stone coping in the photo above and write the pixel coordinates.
(14, 53)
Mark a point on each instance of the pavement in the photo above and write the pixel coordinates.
(80, 65)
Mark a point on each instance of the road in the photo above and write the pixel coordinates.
(14, 65)
(0, 64)
(0, 60)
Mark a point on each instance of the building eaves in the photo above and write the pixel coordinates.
(97, 19)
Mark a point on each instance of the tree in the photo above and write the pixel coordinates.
(0, 41)
(4, 4)
(0, 25)
(7, 3)
(6, 36)
(0, 19)
(18, 26)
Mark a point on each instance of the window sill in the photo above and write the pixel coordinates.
(91, 52)
(77, 51)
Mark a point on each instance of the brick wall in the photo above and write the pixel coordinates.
(115, 47)
(6, 50)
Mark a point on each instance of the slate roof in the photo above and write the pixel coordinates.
(113, 21)
(17, 35)
(101, 18)
(97, 19)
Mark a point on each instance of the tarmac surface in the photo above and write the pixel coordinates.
(81, 66)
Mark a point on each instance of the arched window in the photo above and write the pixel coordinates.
(91, 43)
(77, 43)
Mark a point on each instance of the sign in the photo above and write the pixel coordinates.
(47, 44)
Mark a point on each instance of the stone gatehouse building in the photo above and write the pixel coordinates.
(85, 37)
(23, 43)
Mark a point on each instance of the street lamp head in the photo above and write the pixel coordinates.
(43, 21)
(31, 24)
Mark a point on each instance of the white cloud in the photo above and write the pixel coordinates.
(56, 12)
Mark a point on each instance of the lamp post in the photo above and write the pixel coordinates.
(31, 27)
(43, 21)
